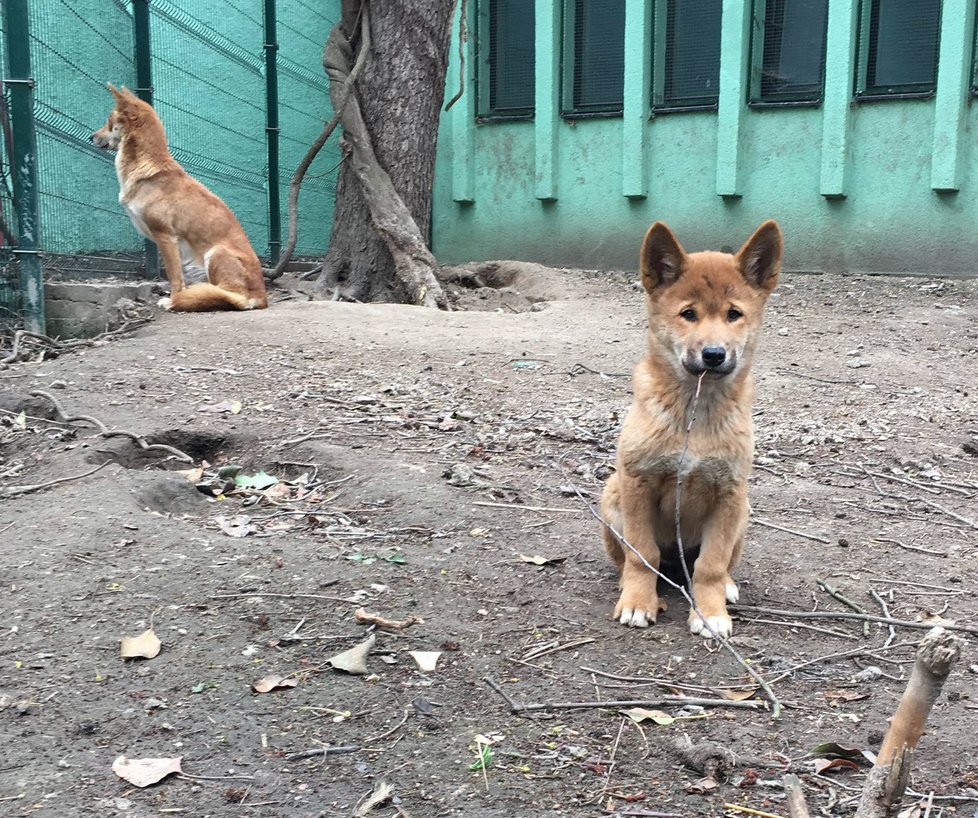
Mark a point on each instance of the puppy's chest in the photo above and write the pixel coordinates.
(709, 471)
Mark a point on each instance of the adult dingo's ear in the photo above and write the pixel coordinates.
(760, 257)
(663, 258)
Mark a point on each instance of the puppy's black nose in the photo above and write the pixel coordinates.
(714, 357)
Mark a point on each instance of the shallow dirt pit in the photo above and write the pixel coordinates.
(427, 465)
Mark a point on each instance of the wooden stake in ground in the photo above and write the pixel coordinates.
(884, 787)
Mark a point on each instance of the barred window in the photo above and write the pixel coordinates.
(791, 46)
(688, 39)
(595, 35)
(900, 40)
(507, 31)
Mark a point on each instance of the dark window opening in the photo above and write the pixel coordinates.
(599, 56)
(691, 69)
(902, 45)
(511, 63)
(793, 58)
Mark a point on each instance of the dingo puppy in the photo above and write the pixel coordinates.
(194, 230)
(704, 316)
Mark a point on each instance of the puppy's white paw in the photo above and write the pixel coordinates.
(166, 303)
(715, 626)
(732, 592)
(634, 619)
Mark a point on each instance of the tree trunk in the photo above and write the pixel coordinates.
(400, 92)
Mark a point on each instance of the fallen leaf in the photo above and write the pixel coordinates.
(703, 785)
(537, 560)
(382, 792)
(640, 714)
(145, 646)
(278, 491)
(200, 687)
(427, 659)
(736, 695)
(353, 660)
(237, 526)
(20, 422)
(141, 772)
(231, 407)
(193, 475)
(832, 749)
(822, 764)
(838, 696)
(259, 481)
(273, 682)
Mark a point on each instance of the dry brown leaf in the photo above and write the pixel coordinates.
(141, 772)
(272, 682)
(538, 560)
(640, 714)
(382, 792)
(366, 618)
(427, 659)
(353, 660)
(703, 785)
(736, 695)
(145, 646)
(821, 765)
(193, 475)
(237, 526)
(838, 696)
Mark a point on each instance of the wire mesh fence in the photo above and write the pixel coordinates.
(208, 67)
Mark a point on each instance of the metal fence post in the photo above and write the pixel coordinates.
(16, 25)
(272, 132)
(142, 57)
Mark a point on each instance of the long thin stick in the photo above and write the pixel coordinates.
(16, 491)
(886, 620)
(814, 537)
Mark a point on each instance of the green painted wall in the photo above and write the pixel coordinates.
(887, 186)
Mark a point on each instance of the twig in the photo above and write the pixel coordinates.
(751, 811)
(814, 537)
(844, 600)
(611, 762)
(527, 508)
(949, 513)
(556, 648)
(886, 612)
(16, 491)
(286, 596)
(662, 701)
(393, 729)
(104, 431)
(322, 751)
(911, 547)
(846, 654)
(886, 620)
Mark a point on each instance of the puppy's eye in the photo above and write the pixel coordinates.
(688, 314)
(733, 314)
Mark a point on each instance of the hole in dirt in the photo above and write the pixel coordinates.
(214, 447)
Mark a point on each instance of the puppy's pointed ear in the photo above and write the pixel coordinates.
(663, 257)
(115, 91)
(760, 257)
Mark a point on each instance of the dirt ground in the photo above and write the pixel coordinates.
(422, 459)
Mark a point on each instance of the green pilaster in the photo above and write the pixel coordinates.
(732, 106)
(840, 51)
(950, 106)
(548, 92)
(635, 117)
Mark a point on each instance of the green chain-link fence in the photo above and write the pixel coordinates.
(208, 65)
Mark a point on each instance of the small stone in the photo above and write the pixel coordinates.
(843, 543)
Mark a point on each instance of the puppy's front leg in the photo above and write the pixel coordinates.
(713, 586)
(638, 604)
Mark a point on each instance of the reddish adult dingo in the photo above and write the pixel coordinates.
(194, 230)
(705, 313)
